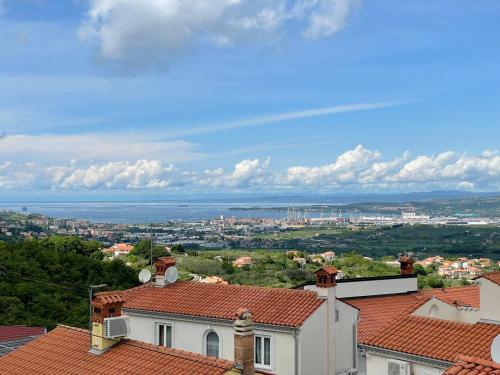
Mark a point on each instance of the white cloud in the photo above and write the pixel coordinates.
(149, 34)
(359, 169)
(50, 148)
(282, 117)
(328, 17)
(246, 173)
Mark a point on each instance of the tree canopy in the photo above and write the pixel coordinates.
(45, 282)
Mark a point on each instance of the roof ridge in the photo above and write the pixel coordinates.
(479, 361)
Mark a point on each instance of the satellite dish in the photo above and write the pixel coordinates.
(495, 349)
(171, 274)
(144, 276)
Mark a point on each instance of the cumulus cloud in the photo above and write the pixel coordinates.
(358, 169)
(148, 34)
(246, 173)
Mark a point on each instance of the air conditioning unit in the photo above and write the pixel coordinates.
(396, 367)
(117, 326)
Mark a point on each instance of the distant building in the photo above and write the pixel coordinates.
(119, 249)
(214, 280)
(243, 261)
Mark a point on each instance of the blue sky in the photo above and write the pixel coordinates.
(275, 95)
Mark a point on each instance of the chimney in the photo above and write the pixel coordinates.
(244, 342)
(161, 265)
(104, 305)
(406, 265)
(326, 277)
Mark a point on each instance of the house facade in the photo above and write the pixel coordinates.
(431, 330)
(296, 331)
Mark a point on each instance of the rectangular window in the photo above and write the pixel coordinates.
(263, 351)
(164, 335)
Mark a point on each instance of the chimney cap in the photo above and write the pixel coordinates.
(104, 298)
(406, 259)
(243, 314)
(169, 260)
(329, 270)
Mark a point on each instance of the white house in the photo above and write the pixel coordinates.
(431, 329)
(296, 331)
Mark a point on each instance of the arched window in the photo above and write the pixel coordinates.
(212, 344)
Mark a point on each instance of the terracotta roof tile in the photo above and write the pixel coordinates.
(8, 333)
(65, 351)
(379, 311)
(436, 338)
(287, 307)
(473, 366)
(493, 277)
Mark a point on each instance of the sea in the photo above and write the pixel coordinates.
(146, 212)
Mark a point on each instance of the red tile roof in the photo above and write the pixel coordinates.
(65, 351)
(379, 311)
(286, 307)
(436, 338)
(493, 277)
(8, 333)
(473, 366)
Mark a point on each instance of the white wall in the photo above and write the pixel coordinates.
(376, 287)
(435, 308)
(313, 343)
(489, 300)
(189, 335)
(378, 365)
(345, 341)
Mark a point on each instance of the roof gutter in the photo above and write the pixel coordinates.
(407, 357)
(296, 336)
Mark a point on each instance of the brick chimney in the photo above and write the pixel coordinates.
(244, 342)
(406, 265)
(161, 266)
(326, 277)
(104, 305)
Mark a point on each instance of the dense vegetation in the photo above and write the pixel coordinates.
(422, 240)
(45, 282)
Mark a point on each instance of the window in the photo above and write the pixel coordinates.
(212, 344)
(164, 335)
(263, 351)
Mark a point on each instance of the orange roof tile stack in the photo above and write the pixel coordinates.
(473, 366)
(65, 351)
(286, 307)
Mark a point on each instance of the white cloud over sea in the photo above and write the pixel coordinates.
(149, 34)
(357, 169)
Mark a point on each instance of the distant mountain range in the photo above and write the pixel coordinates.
(233, 198)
